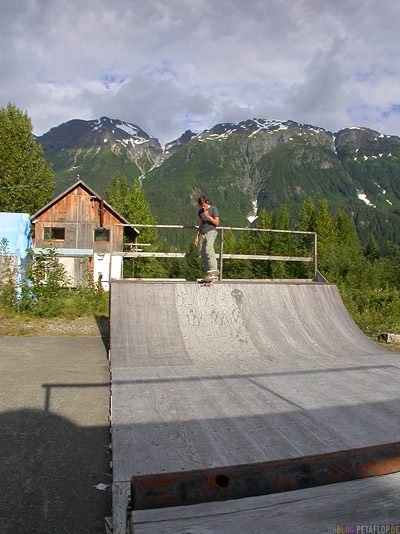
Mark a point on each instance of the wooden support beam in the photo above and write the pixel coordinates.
(238, 481)
(195, 255)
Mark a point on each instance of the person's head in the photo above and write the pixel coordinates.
(203, 200)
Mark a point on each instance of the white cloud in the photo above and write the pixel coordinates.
(177, 64)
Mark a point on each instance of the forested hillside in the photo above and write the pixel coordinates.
(260, 165)
(243, 168)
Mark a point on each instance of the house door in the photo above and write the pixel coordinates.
(101, 268)
(69, 264)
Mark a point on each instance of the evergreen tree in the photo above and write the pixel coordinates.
(284, 246)
(394, 259)
(229, 242)
(371, 250)
(192, 268)
(307, 223)
(128, 199)
(308, 216)
(27, 182)
(340, 257)
(324, 224)
(260, 243)
(231, 268)
(345, 231)
(263, 242)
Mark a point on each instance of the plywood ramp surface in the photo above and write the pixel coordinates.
(321, 510)
(239, 373)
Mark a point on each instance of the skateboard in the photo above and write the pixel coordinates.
(208, 280)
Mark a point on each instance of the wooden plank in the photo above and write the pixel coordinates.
(333, 508)
(225, 256)
(120, 499)
(246, 229)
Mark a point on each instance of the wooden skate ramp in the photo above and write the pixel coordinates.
(240, 373)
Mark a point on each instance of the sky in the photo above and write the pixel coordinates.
(172, 65)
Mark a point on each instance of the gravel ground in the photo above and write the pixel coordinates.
(81, 326)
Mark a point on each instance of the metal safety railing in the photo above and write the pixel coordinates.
(221, 256)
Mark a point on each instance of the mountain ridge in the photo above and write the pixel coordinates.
(243, 167)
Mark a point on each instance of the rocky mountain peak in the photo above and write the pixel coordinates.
(78, 133)
(357, 140)
(174, 145)
(120, 130)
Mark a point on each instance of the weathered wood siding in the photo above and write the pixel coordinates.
(78, 213)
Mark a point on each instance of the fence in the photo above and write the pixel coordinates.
(221, 256)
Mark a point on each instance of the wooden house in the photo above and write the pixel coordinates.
(85, 230)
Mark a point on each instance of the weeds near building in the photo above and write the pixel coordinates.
(43, 288)
(8, 277)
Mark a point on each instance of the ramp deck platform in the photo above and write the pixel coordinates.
(239, 373)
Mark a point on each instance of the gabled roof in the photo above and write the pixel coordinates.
(81, 183)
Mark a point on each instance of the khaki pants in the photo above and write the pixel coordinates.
(207, 253)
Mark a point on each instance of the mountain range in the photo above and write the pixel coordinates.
(243, 168)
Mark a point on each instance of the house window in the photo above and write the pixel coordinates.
(101, 234)
(54, 233)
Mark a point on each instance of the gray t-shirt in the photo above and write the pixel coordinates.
(207, 224)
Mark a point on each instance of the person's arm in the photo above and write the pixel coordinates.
(214, 220)
(196, 241)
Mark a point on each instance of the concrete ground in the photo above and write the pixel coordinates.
(54, 408)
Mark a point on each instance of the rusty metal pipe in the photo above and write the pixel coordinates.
(249, 480)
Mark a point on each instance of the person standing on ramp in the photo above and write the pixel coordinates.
(209, 220)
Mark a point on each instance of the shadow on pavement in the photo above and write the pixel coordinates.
(103, 324)
(48, 472)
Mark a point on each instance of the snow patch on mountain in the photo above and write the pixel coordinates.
(131, 141)
(123, 132)
(130, 129)
(253, 126)
(334, 144)
(384, 193)
(253, 216)
(217, 137)
(362, 196)
(263, 124)
(380, 187)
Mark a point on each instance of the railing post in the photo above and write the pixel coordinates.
(315, 257)
(310, 258)
(221, 252)
(133, 259)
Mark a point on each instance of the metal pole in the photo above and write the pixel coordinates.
(221, 253)
(315, 257)
(133, 259)
(312, 259)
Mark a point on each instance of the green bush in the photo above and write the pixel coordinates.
(45, 291)
(375, 311)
